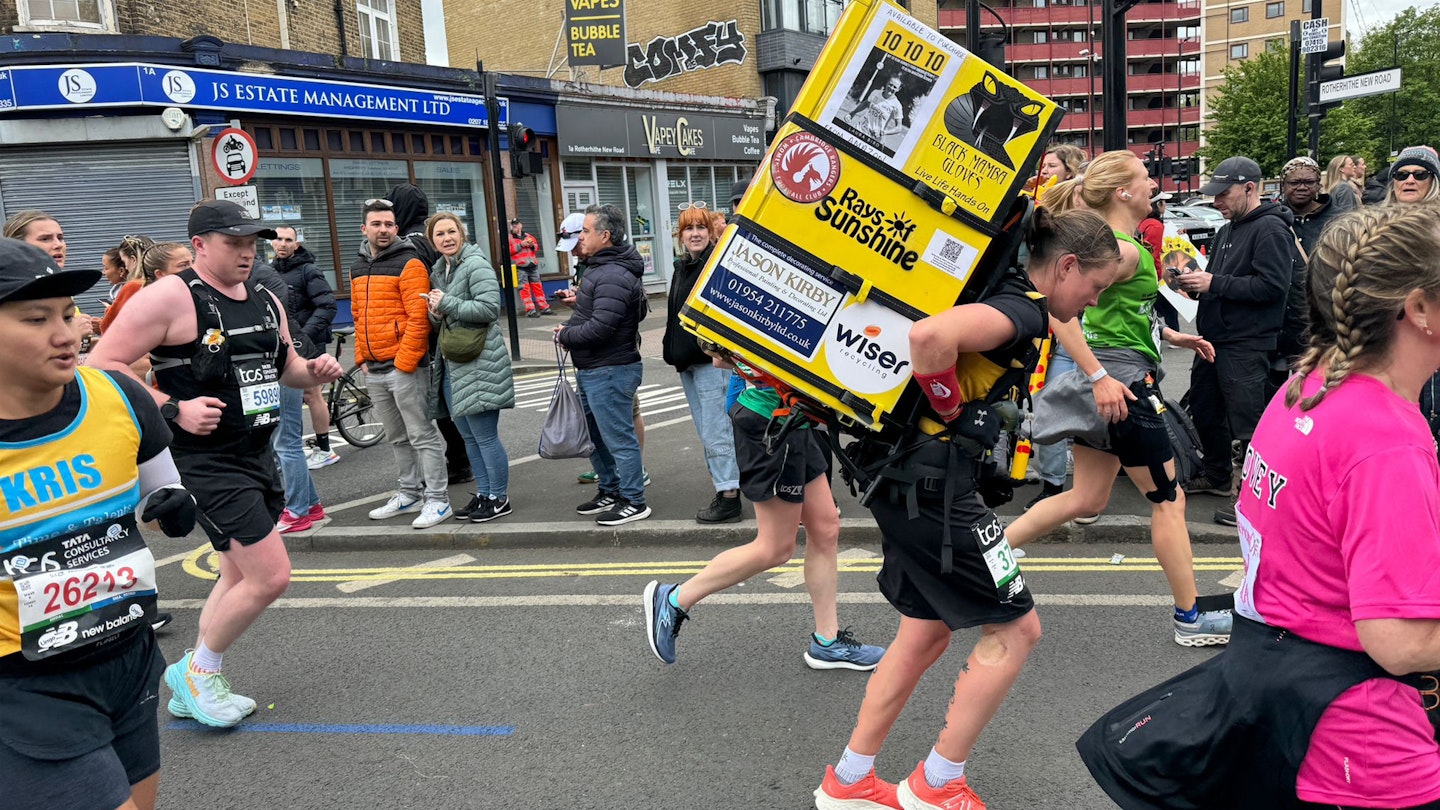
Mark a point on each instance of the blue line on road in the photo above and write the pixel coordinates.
(340, 728)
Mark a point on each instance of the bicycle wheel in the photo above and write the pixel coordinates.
(351, 410)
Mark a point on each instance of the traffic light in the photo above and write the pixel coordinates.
(1181, 170)
(992, 49)
(1326, 72)
(523, 162)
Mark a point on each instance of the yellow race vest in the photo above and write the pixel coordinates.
(73, 566)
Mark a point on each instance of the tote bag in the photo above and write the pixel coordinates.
(565, 434)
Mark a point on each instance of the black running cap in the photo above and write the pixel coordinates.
(223, 216)
(27, 273)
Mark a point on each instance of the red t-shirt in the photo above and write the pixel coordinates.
(126, 292)
(1152, 233)
(1344, 502)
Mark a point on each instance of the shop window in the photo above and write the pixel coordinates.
(631, 188)
(574, 170)
(378, 36)
(533, 205)
(417, 144)
(312, 140)
(437, 144)
(457, 145)
(355, 180)
(458, 188)
(357, 142)
(397, 144)
(67, 15)
(292, 192)
(377, 142)
(264, 138)
(334, 140)
(287, 139)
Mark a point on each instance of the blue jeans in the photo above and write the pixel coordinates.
(608, 395)
(705, 387)
(289, 444)
(488, 460)
(1050, 458)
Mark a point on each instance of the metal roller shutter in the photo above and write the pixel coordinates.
(99, 194)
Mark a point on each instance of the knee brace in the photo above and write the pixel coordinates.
(1165, 486)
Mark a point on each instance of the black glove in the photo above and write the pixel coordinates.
(174, 508)
(995, 491)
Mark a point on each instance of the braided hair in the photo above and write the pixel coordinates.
(1365, 265)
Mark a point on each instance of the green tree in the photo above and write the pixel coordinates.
(1411, 41)
(1246, 113)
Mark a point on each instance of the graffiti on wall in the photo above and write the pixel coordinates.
(710, 45)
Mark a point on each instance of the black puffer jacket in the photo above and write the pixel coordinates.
(605, 327)
(312, 301)
(412, 208)
(1253, 261)
(680, 348)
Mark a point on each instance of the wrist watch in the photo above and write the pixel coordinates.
(171, 409)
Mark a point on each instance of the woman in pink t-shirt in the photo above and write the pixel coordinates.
(1317, 701)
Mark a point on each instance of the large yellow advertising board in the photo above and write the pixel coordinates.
(877, 205)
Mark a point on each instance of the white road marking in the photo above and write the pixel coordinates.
(362, 584)
(1234, 580)
(792, 578)
(633, 600)
(514, 462)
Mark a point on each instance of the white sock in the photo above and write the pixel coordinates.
(205, 659)
(853, 767)
(939, 771)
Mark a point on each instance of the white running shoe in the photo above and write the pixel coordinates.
(397, 505)
(433, 513)
(315, 458)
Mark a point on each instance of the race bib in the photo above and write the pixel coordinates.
(77, 589)
(259, 392)
(995, 550)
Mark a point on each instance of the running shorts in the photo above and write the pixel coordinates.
(783, 474)
(239, 494)
(911, 576)
(78, 733)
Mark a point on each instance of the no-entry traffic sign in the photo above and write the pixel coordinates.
(233, 155)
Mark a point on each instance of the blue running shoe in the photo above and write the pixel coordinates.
(662, 620)
(846, 653)
(1210, 629)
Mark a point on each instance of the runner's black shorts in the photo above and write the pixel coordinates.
(239, 494)
(783, 474)
(910, 576)
(78, 733)
(1140, 439)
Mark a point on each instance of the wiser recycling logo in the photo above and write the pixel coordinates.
(868, 348)
(804, 167)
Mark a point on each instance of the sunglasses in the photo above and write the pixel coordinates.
(1419, 174)
(380, 201)
(698, 204)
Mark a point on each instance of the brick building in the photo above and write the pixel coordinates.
(113, 113)
(685, 114)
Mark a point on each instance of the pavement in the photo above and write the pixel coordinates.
(544, 492)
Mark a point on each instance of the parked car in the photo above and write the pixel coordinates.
(1194, 224)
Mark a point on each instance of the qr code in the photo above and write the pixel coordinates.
(951, 250)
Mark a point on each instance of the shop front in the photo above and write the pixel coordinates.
(650, 162)
(125, 147)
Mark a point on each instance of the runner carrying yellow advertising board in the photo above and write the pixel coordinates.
(879, 203)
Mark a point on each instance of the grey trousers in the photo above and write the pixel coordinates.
(399, 400)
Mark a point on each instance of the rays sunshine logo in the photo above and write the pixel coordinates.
(868, 225)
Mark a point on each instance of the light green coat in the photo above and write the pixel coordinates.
(472, 297)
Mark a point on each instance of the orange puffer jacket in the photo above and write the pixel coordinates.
(391, 321)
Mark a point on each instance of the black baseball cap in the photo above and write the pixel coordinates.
(27, 273)
(1232, 171)
(514, 220)
(223, 216)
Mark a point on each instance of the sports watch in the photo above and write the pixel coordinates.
(171, 409)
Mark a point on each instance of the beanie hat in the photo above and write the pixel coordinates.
(1421, 156)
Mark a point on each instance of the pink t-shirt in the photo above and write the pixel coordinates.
(1339, 520)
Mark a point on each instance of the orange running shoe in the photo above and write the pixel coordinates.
(870, 793)
(916, 794)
